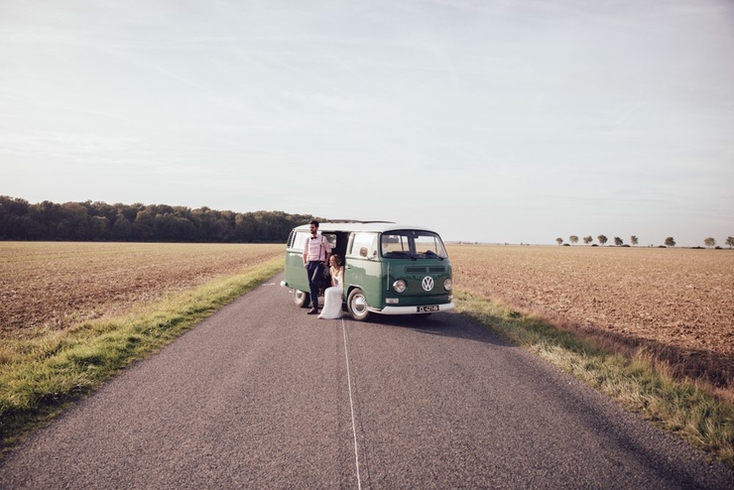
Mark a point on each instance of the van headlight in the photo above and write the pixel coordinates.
(399, 286)
(447, 285)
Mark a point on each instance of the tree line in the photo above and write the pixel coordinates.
(99, 221)
(669, 241)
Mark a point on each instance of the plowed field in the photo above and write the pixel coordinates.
(676, 303)
(55, 285)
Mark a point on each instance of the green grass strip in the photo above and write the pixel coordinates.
(41, 376)
(673, 405)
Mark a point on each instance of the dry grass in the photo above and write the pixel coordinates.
(75, 313)
(52, 286)
(673, 305)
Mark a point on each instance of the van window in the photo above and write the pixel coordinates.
(427, 243)
(331, 237)
(299, 240)
(363, 245)
(412, 244)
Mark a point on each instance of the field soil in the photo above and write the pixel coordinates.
(52, 286)
(676, 304)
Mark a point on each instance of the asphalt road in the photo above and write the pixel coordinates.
(261, 395)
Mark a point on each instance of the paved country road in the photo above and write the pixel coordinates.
(261, 395)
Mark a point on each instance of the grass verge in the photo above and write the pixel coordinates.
(42, 375)
(637, 383)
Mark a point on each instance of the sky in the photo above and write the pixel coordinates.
(514, 121)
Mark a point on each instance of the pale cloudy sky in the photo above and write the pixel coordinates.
(493, 121)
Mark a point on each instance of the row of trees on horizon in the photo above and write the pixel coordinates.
(669, 241)
(99, 221)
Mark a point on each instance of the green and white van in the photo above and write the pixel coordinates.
(390, 268)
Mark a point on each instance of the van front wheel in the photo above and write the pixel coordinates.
(301, 298)
(357, 305)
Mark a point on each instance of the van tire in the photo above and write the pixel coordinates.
(357, 305)
(301, 298)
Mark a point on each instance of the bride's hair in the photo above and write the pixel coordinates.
(338, 259)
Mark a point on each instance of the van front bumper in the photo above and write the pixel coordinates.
(411, 310)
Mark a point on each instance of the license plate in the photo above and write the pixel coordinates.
(427, 309)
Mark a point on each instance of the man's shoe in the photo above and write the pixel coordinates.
(312, 311)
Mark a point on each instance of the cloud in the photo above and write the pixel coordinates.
(320, 100)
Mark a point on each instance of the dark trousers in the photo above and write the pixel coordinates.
(314, 269)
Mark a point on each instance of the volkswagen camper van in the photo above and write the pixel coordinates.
(390, 268)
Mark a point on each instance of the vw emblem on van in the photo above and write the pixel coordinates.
(427, 283)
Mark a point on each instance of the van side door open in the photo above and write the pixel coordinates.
(390, 269)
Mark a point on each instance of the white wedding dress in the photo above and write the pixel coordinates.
(333, 297)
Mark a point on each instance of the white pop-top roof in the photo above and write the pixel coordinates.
(350, 225)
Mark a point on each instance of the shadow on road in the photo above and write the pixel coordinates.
(441, 324)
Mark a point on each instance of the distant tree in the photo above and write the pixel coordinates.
(98, 221)
(634, 240)
(219, 230)
(573, 239)
(588, 239)
(602, 239)
(670, 242)
(99, 228)
(204, 219)
(710, 242)
(245, 228)
(49, 214)
(74, 224)
(129, 211)
(122, 229)
(163, 226)
(34, 225)
(12, 211)
(559, 241)
(183, 230)
(730, 241)
(618, 241)
(143, 226)
(14, 218)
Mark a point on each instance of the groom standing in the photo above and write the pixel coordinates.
(316, 255)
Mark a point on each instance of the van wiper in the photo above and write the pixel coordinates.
(431, 252)
(403, 254)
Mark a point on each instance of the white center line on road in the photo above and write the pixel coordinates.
(351, 403)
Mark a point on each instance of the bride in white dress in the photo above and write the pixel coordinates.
(333, 295)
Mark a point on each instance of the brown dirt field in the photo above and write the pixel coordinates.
(677, 303)
(55, 285)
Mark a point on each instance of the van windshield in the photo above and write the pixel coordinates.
(412, 244)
